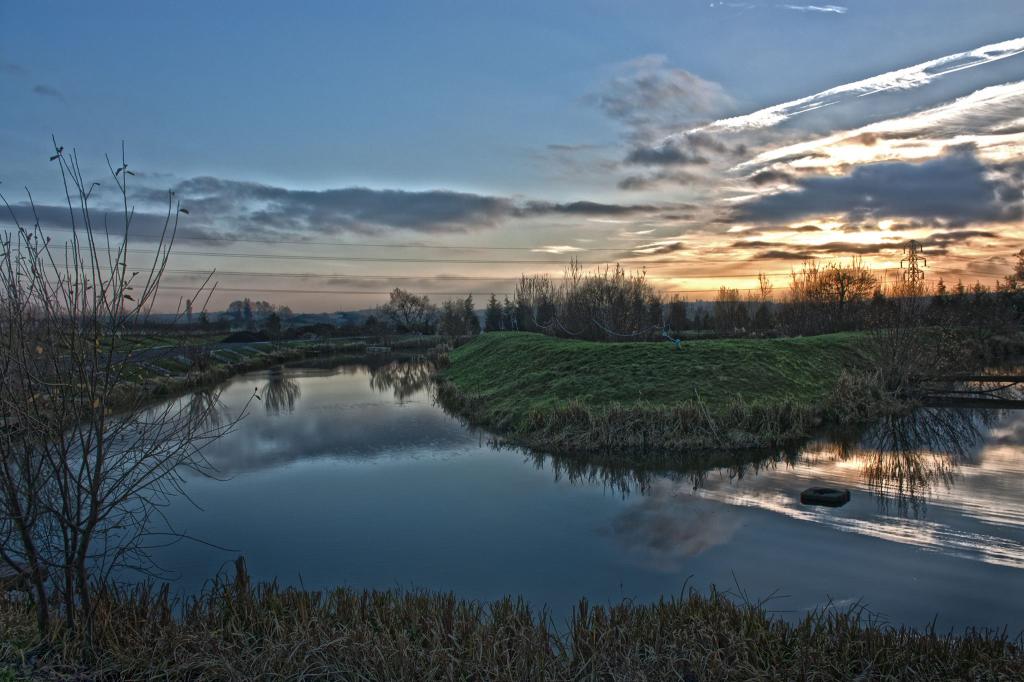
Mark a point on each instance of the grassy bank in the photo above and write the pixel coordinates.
(171, 373)
(634, 399)
(239, 632)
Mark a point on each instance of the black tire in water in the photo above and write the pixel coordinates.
(826, 497)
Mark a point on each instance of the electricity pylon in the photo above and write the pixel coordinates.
(911, 265)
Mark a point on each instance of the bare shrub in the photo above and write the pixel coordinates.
(86, 463)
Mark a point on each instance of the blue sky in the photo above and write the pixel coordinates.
(521, 104)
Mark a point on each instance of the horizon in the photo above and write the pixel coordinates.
(347, 151)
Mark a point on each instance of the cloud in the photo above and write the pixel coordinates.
(770, 177)
(648, 93)
(47, 91)
(13, 69)
(586, 208)
(222, 210)
(250, 207)
(659, 248)
(955, 188)
(900, 79)
(664, 155)
(937, 243)
(661, 179)
(987, 117)
(144, 224)
(678, 150)
(826, 9)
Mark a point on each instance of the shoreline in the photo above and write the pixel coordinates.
(658, 427)
(152, 389)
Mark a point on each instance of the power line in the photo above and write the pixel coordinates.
(473, 261)
(250, 240)
(471, 278)
(378, 293)
(470, 247)
(335, 275)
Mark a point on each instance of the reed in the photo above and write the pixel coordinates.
(239, 631)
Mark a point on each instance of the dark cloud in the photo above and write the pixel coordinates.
(664, 155)
(782, 254)
(955, 188)
(703, 140)
(679, 150)
(144, 224)
(659, 179)
(660, 249)
(47, 91)
(770, 177)
(13, 69)
(957, 236)
(588, 208)
(937, 243)
(253, 207)
(636, 182)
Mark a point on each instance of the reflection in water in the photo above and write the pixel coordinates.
(361, 479)
(905, 457)
(404, 379)
(280, 392)
(665, 528)
(206, 409)
(942, 480)
(335, 409)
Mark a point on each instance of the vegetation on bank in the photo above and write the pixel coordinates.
(236, 631)
(183, 368)
(634, 399)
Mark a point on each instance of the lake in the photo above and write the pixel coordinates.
(351, 475)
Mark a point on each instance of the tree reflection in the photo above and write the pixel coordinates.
(205, 407)
(902, 458)
(907, 456)
(280, 392)
(404, 379)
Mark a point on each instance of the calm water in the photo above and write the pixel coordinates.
(351, 476)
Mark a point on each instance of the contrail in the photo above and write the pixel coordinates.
(900, 79)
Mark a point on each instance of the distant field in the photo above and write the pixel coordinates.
(515, 372)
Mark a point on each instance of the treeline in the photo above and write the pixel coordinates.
(406, 312)
(611, 304)
(605, 304)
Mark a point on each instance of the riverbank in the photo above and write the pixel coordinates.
(236, 631)
(174, 371)
(642, 400)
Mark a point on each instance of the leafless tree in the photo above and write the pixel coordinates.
(409, 312)
(87, 461)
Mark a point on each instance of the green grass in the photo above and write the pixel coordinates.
(515, 372)
(564, 395)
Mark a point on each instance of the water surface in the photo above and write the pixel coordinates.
(350, 475)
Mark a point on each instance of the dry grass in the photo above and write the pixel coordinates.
(686, 434)
(239, 632)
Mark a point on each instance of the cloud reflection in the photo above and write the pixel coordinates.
(665, 527)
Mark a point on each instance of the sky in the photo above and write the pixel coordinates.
(329, 152)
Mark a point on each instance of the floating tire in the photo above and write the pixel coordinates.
(825, 497)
